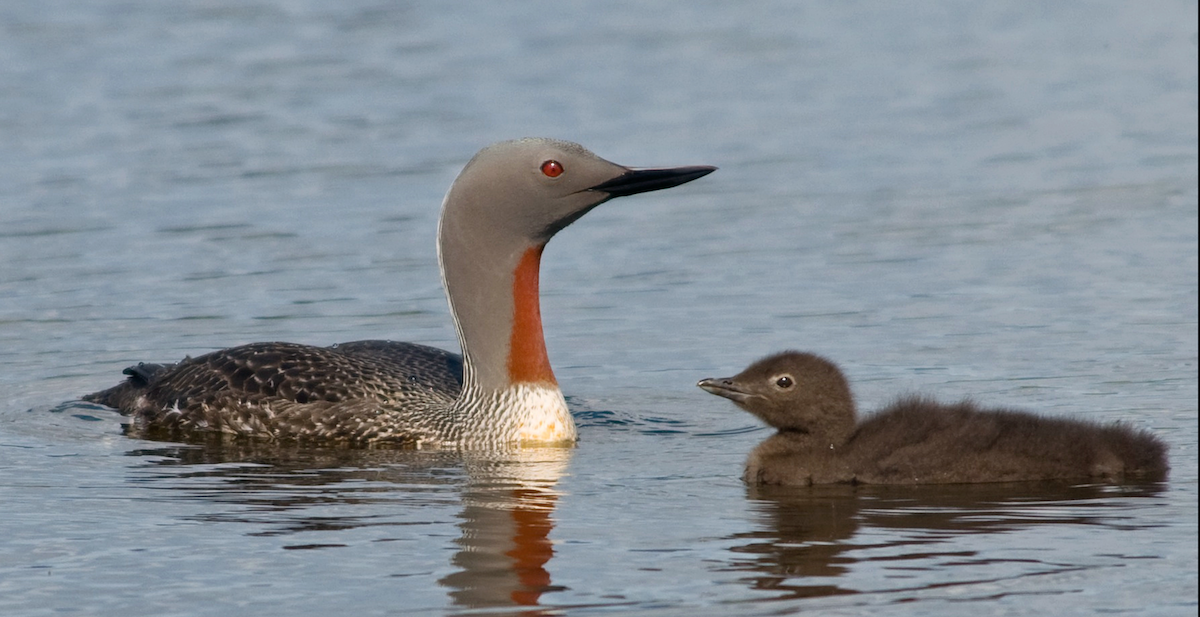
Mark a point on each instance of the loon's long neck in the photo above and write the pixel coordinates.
(527, 361)
(509, 390)
(508, 201)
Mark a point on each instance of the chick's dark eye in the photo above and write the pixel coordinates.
(784, 382)
(552, 169)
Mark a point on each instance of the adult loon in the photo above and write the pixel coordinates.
(498, 215)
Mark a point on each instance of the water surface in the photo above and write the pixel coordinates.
(963, 200)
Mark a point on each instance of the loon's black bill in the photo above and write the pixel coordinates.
(637, 181)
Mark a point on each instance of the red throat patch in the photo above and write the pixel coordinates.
(527, 359)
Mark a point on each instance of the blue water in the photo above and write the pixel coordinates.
(987, 200)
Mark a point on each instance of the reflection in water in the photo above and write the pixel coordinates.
(506, 523)
(810, 538)
(507, 500)
(798, 550)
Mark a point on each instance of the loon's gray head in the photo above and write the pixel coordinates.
(508, 201)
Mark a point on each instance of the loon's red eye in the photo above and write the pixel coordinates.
(552, 168)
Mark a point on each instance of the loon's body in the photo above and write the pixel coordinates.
(496, 219)
(917, 440)
(360, 392)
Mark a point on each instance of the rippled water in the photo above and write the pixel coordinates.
(996, 201)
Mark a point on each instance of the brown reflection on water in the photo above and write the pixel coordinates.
(802, 537)
(507, 502)
(506, 523)
(808, 538)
